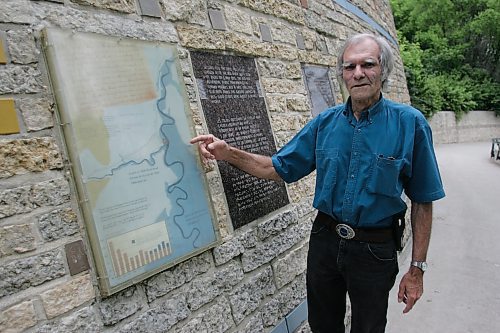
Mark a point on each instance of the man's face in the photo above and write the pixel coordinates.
(362, 72)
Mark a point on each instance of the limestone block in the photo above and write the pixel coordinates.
(100, 22)
(302, 188)
(65, 297)
(298, 103)
(215, 183)
(18, 318)
(23, 273)
(276, 103)
(81, 321)
(293, 71)
(57, 224)
(159, 318)
(122, 305)
(273, 246)
(22, 47)
(222, 213)
(283, 86)
(271, 68)
(280, 8)
(309, 38)
(276, 224)
(247, 297)
(285, 52)
(124, 6)
(283, 33)
(217, 319)
(229, 275)
(304, 207)
(292, 264)
(237, 20)
(163, 283)
(201, 291)
(191, 11)
(282, 138)
(289, 123)
(16, 239)
(248, 238)
(23, 79)
(248, 46)
(204, 289)
(37, 113)
(284, 301)
(317, 58)
(16, 11)
(321, 6)
(254, 325)
(228, 250)
(196, 38)
(28, 155)
(27, 198)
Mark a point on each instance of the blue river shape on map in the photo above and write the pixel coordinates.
(169, 132)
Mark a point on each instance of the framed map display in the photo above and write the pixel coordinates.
(126, 123)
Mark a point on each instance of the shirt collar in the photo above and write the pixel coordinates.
(370, 113)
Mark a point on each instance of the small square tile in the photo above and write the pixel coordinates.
(217, 19)
(150, 8)
(265, 32)
(76, 257)
(300, 42)
(8, 117)
(3, 54)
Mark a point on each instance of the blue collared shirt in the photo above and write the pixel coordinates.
(362, 167)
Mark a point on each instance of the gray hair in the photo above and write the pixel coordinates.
(386, 58)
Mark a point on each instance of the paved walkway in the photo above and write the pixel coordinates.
(462, 285)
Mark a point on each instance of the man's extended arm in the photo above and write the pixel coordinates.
(411, 287)
(212, 148)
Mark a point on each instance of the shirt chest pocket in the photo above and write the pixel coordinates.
(326, 167)
(384, 178)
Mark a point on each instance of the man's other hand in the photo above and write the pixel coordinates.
(411, 288)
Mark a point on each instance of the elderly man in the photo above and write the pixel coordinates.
(366, 152)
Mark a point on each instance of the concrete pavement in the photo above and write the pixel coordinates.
(462, 285)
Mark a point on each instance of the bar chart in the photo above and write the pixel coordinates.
(136, 249)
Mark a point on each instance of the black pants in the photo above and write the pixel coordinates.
(366, 271)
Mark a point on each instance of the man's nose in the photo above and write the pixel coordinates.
(359, 72)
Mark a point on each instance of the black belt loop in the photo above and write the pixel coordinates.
(380, 235)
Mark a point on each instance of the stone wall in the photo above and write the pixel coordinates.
(473, 126)
(255, 277)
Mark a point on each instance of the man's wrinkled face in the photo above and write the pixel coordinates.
(362, 73)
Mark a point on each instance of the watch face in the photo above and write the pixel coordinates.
(423, 266)
(420, 264)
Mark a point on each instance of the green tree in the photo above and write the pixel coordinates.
(451, 50)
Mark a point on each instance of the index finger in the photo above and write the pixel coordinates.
(200, 138)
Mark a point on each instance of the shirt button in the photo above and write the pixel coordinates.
(352, 176)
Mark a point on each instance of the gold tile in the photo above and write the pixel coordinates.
(8, 118)
(3, 57)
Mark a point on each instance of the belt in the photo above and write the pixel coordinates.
(367, 235)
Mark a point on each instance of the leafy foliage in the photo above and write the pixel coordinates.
(451, 52)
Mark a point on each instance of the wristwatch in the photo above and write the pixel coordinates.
(420, 264)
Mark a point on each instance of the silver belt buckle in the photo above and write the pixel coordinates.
(344, 231)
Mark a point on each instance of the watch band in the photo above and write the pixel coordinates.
(420, 264)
